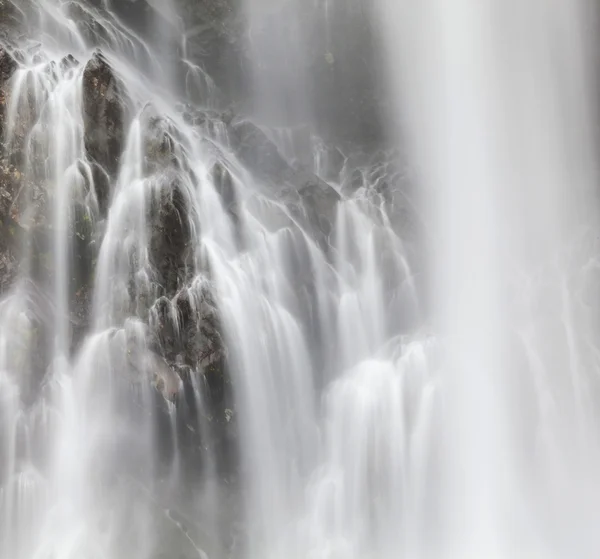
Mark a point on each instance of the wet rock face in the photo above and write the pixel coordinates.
(105, 109)
(8, 66)
(11, 232)
(13, 202)
(214, 31)
(135, 13)
(11, 17)
(311, 200)
(10, 181)
(184, 321)
(159, 147)
(320, 202)
(170, 238)
(344, 92)
(186, 353)
(9, 264)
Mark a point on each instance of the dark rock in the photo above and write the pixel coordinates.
(21, 200)
(10, 185)
(187, 332)
(187, 329)
(11, 233)
(105, 107)
(170, 235)
(201, 330)
(8, 66)
(186, 358)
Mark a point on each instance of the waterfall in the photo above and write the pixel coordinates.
(303, 279)
(498, 105)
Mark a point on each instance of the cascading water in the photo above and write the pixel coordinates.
(229, 336)
(498, 106)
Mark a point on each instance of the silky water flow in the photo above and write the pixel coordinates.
(394, 393)
(498, 108)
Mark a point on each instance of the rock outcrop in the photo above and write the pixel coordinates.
(10, 178)
(105, 113)
(170, 236)
(311, 200)
(8, 66)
